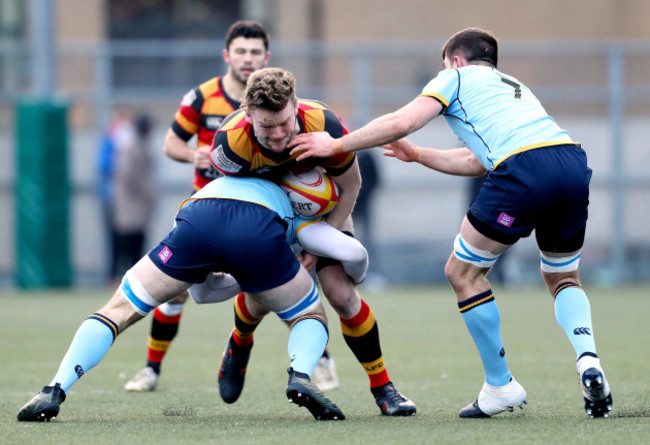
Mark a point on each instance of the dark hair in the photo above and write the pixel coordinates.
(248, 29)
(474, 44)
(270, 89)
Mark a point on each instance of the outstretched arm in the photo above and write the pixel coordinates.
(383, 130)
(457, 161)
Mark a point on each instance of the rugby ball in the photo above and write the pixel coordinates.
(311, 192)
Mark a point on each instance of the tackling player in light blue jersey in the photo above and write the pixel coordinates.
(311, 233)
(236, 226)
(538, 179)
(493, 114)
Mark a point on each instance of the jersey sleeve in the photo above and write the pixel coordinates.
(231, 152)
(188, 117)
(224, 158)
(443, 87)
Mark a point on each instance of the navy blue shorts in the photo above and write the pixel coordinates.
(243, 239)
(545, 189)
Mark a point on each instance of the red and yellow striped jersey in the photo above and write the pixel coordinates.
(202, 112)
(236, 150)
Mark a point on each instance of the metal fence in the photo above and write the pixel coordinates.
(598, 91)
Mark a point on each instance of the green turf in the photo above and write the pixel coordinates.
(429, 355)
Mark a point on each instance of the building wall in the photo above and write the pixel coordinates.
(367, 20)
(434, 211)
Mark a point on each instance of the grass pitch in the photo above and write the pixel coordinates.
(429, 354)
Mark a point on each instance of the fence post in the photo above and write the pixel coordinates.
(42, 194)
(616, 119)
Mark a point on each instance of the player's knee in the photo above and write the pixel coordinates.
(345, 300)
(454, 273)
(120, 310)
(309, 304)
(256, 309)
(451, 269)
(180, 299)
(564, 264)
(556, 270)
(467, 264)
(316, 314)
(468, 254)
(137, 296)
(338, 288)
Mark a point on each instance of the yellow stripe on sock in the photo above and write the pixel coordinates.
(108, 322)
(374, 367)
(243, 317)
(476, 303)
(159, 345)
(563, 286)
(360, 330)
(243, 335)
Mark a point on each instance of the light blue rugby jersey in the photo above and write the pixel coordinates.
(493, 114)
(258, 191)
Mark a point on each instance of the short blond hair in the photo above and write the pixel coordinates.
(270, 89)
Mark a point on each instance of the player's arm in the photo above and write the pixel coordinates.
(380, 131)
(348, 184)
(457, 161)
(324, 240)
(186, 124)
(179, 150)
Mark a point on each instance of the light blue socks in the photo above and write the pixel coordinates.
(307, 342)
(483, 321)
(573, 313)
(90, 344)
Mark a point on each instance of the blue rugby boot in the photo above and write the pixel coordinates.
(391, 402)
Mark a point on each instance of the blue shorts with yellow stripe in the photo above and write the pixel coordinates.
(545, 189)
(244, 239)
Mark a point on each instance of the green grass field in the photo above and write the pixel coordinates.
(429, 355)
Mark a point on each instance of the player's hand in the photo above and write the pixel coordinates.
(202, 157)
(403, 149)
(317, 144)
(308, 260)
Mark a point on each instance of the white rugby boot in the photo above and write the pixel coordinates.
(493, 400)
(324, 374)
(145, 380)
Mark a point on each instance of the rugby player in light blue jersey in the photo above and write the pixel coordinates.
(238, 226)
(538, 179)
